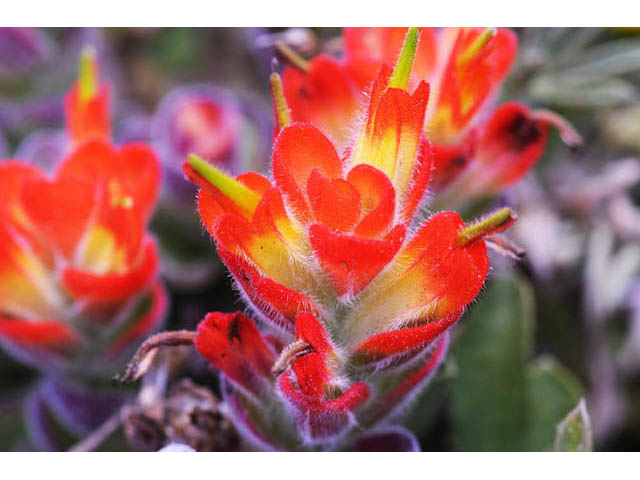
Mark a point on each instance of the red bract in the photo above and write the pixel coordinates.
(326, 252)
(87, 103)
(322, 407)
(465, 68)
(233, 344)
(77, 267)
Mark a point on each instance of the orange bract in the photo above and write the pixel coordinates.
(324, 254)
(74, 252)
(327, 252)
(464, 67)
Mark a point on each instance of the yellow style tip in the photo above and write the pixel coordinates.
(88, 74)
(245, 198)
(477, 45)
(280, 107)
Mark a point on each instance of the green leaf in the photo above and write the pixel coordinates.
(488, 396)
(616, 57)
(582, 90)
(574, 433)
(424, 411)
(552, 392)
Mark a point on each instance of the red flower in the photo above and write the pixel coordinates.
(322, 404)
(324, 252)
(465, 68)
(77, 267)
(232, 343)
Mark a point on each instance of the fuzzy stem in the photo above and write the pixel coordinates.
(494, 223)
(568, 133)
(292, 351)
(291, 56)
(280, 108)
(143, 358)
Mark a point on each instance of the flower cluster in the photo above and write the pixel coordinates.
(477, 151)
(77, 266)
(355, 292)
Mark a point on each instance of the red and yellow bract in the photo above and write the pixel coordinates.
(77, 267)
(332, 256)
(465, 67)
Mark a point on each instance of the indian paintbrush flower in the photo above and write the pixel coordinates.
(471, 143)
(86, 113)
(77, 267)
(355, 293)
